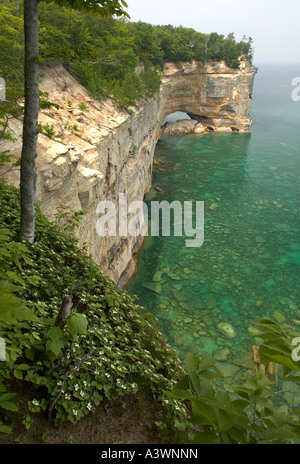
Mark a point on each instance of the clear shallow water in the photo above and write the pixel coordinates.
(249, 264)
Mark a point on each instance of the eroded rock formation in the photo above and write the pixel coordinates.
(213, 94)
(183, 126)
(97, 151)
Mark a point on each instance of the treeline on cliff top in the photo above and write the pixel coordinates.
(105, 52)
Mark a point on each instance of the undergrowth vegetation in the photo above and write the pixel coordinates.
(105, 349)
(241, 414)
(108, 348)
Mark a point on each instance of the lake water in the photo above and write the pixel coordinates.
(249, 264)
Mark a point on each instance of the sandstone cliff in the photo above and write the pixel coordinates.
(99, 151)
(213, 94)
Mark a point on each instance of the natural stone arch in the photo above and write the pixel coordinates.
(212, 93)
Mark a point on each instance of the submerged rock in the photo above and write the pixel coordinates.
(178, 287)
(258, 304)
(180, 339)
(244, 360)
(227, 329)
(153, 286)
(226, 369)
(157, 276)
(173, 276)
(211, 304)
(177, 296)
(222, 355)
(184, 306)
(253, 331)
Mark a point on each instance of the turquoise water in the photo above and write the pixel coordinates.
(248, 266)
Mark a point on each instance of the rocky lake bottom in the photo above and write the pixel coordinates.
(208, 298)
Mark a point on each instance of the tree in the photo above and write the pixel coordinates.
(31, 107)
(30, 130)
(11, 45)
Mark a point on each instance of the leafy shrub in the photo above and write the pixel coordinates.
(82, 106)
(13, 312)
(45, 103)
(277, 345)
(68, 219)
(47, 130)
(245, 414)
(108, 346)
(5, 157)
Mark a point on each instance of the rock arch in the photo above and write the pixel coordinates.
(212, 93)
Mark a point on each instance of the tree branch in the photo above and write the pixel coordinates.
(64, 312)
(69, 373)
(4, 127)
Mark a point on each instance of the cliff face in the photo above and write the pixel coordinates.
(98, 151)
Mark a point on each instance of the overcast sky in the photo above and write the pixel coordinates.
(274, 25)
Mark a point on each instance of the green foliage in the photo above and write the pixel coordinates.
(27, 421)
(243, 415)
(5, 157)
(102, 7)
(45, 103)
(13, 256)
(67, 219)
(13, 311)
(103, 52)
(277, 346)
(107, 348)
(11, 64)
(150, 82)
(77, 324)
(11, 44)
(47, 129)
(82, 106)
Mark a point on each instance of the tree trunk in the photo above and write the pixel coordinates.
(30, 130)
(64, 312)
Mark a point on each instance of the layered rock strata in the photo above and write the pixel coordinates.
(96, 151)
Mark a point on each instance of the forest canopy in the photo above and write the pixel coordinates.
(104, 52)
